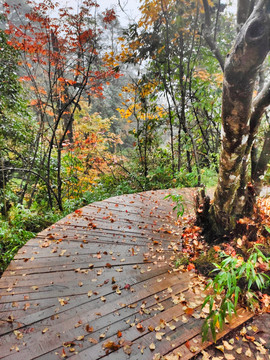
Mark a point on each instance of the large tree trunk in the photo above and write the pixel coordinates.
(240, 72)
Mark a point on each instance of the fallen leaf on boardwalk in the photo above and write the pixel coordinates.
(194, 349)
(91, 266)
(184, 319)
(119, 334)
(80, 283)
(189, 311)
(15, 304)
(62, 253)
(108, 265)
(178, 299)
(140, 327)
(173, 357)
(34, 287)
(63, 302)
(157, 357)
(152, 346)
(90, 293)
(127, 349)
(18, 334)
(45, 330)
(239, 350)
(111, 345)
(91, 225)
(26, 306)
(159, 335)
(10, 318)
(132, 306)
(14, 347)
(92, 340)
(89, 328)
(69, 343)
(160, 307)
(102, 336)
(63, 355)
(103, 298)
(80, 338)
(79, 323)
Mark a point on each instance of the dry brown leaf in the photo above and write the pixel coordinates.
(89, 328)
(111, 345)
(92, 340)
(159, 335)
(80, 338)
(248, 353)
(229, 356)
(26, 306)
(220, 347)
(140, 327)
(152, 346)
(45, 330)
(239, 350)
(18, 334)
(127, 349)
(79, 323)
(63, 302)
(227, 346)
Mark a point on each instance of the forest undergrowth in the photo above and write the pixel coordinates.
(236, 268)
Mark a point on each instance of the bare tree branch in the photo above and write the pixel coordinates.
(207, 34)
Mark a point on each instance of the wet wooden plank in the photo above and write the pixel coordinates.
(95, 273)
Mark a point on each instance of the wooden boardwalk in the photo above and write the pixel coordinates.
(99, 285)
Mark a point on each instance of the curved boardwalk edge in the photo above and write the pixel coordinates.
(98, 285)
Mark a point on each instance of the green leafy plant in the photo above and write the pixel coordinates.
(179, 206)
(233, 283)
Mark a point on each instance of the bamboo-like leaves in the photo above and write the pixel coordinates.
(233, 284)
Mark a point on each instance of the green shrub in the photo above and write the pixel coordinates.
(233, 284)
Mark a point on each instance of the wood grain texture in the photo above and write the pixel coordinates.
(100, 284)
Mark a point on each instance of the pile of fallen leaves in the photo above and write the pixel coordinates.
(249, 231)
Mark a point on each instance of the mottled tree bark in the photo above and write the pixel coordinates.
(240, 72)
